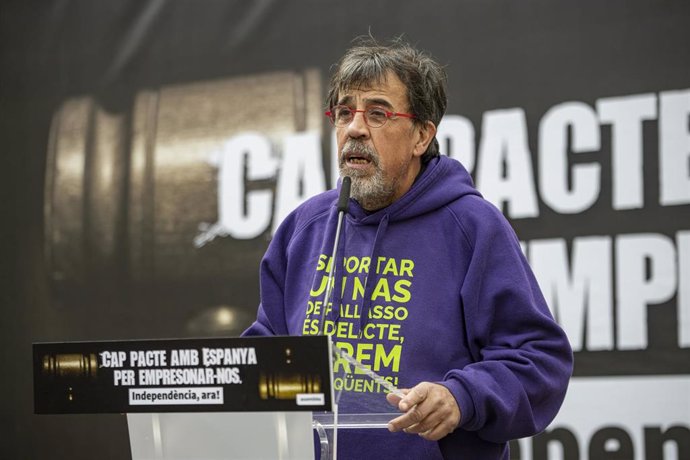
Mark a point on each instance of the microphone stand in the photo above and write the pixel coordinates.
(342, 210)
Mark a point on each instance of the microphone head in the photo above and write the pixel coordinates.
(344, 197)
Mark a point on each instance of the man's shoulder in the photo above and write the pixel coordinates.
(310, 210)
(316, 204)
(474, 214)
(475, 206)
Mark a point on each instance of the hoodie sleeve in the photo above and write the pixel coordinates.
(270, 318)
(522, 358)
(283, 265)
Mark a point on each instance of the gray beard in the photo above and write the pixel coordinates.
(371, 192)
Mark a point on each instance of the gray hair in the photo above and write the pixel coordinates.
(368, 62)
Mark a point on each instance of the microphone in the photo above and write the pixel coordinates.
(344, 197)
(343, 201)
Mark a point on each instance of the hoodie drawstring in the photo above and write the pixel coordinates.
(372, 277)
(370, 280)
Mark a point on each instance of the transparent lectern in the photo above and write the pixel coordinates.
(359, 403)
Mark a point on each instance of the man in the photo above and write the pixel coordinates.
(431, 289)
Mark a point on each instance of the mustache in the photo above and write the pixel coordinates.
(357, 148)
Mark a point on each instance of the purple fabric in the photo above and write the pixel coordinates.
(448, 297)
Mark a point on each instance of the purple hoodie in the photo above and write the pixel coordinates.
(433, 288)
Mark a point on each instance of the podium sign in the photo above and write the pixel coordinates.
(250, 398)
(252, 374)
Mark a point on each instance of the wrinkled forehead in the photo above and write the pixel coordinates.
(362, 84)
(385, 83)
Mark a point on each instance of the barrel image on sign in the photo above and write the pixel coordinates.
(132, 198)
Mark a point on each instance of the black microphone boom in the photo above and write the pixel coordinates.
(343, 200)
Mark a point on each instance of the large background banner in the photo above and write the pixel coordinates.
(150, 149)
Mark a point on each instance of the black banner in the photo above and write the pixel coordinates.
(202, 375)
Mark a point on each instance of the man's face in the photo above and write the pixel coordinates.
(382, 162)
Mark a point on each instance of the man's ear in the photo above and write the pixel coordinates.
(427, 131)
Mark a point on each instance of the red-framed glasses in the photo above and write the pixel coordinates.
(374, 117)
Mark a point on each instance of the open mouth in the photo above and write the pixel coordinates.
(357, 160)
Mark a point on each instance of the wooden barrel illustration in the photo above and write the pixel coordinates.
(129, 193)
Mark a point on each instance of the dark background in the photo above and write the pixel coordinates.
(499, 54)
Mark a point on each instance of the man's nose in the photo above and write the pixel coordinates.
(358, 127)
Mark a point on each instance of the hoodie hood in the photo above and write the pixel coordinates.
(443, 181)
